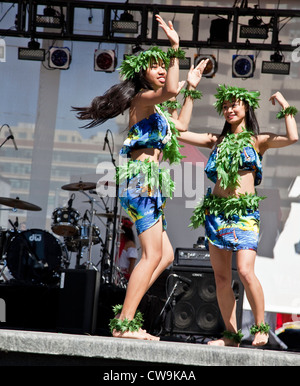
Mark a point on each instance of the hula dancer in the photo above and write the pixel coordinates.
(143, 186)
(230, 212)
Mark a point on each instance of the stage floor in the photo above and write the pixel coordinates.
(35, 348)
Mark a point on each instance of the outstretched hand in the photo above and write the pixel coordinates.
(169, 30)
(195, 73)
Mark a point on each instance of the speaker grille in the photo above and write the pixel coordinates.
(195, 307)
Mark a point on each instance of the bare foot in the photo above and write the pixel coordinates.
(260, 339)
(223, 342)
(140, 334)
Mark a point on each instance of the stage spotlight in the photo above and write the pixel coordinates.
(59, 57)
(276, 65)
(254, 29)
(126, 24)
(105, 60)
(243, 66)
(219, 29)
(211, 67)
(33, 52)
(50, 19)
(2, 50)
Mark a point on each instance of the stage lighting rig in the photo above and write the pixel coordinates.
(59, 57)
(211, 67)
(32, 52)
(125, 24)
(49, 19)
(254, 29)
(275, 65)
(105, 60)
(243, 66)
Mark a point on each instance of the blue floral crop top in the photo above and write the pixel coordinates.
(250, 160)
(148, 133)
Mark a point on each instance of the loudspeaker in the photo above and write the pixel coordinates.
(78, 301)
(195, 307)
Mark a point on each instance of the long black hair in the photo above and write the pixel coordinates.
(114, 102)
(251, 121)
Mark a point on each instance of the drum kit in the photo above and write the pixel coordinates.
(35, 256)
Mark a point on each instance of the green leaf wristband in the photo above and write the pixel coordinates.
(291, 110)
(179, 53)
(194, 94)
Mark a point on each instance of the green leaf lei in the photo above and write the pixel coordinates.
(264, 328)
(230, 93)
(229, 157)
(176, 53)
(171, 151)
(154, 176)
(132, 64)
(125, 325)
(173, 105)
(291, 110)
(194, 94)
(228, 206)
(235, 336)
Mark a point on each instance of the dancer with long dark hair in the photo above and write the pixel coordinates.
(151, 78)
(230, 212)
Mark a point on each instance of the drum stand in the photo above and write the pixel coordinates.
(89, 263)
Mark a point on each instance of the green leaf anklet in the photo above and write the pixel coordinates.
(125, 325)
(264, 328)
(235, 336)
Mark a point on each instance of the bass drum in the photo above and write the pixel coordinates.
(36, 256)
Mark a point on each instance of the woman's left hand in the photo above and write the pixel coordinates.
(280, 99)
(195, 73)
(172, 35)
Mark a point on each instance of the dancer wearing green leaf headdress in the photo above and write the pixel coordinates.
(149, 79)
(230, 212)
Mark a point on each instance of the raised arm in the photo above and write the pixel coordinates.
(269, 140)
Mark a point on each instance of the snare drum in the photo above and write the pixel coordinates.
(84, 234)
(65, 221)
(36, 256)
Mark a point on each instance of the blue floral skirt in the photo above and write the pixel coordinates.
(140, 194)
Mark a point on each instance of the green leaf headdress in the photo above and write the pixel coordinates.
(230, 93)
(132, 64)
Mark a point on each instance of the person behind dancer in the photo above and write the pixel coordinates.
(230, 213)
(142, 185)
(128, 252)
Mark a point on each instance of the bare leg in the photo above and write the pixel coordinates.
(221, 261)
(156, 256)
(254, 291)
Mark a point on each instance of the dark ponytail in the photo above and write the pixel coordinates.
(114, 102)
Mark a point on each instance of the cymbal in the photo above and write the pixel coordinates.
(79, 186)
(19, 204)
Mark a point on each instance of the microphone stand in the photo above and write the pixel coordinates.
(112, 252)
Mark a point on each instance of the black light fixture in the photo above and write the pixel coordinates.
(254, 29)
(49, 19)
(243, 66)
(105, 60)
(32, 52)
(59, 57)
(276, 65)
(211, 67)
(125, 24)
(219, 29)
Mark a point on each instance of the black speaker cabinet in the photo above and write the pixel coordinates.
(195, 308)
(78, 301)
